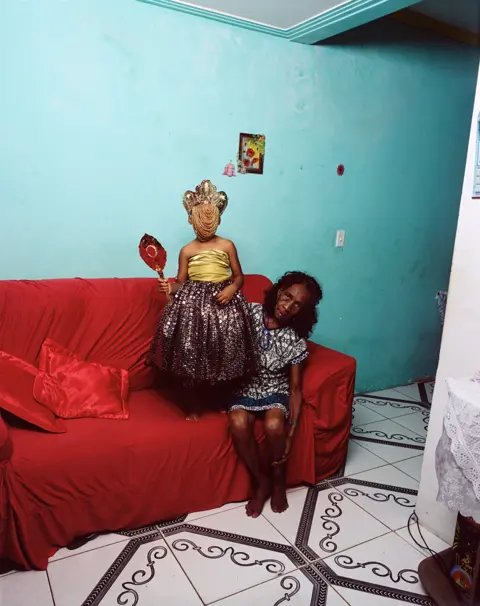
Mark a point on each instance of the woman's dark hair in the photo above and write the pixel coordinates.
(306, 318)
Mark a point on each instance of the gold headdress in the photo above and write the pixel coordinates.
(205, 193)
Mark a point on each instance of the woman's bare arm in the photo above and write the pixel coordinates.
(295, 405)
(296, 372)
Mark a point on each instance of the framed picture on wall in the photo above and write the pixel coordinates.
(251, 153)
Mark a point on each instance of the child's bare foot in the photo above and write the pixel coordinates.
(261, 493)
(192, 417)
(279, 501)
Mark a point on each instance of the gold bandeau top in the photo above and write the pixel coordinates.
(209, 266)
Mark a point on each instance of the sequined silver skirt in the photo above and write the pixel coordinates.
(200, 341)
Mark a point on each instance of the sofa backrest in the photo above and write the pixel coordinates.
(255, 287)
(107, 320)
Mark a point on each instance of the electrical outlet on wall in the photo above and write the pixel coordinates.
(340, 239)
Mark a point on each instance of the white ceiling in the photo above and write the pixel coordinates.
(464, 14)
(284, 14)
(276, 13)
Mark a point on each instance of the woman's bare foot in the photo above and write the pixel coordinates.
(261, 493)
(279, 501)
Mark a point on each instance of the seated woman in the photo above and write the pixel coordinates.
(282, 324)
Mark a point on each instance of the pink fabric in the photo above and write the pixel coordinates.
(73, 388)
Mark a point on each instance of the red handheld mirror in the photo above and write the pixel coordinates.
(153, 254)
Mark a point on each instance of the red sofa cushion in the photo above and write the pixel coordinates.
(16, 394)
(73, 388)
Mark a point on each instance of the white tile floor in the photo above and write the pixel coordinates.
(345, 541)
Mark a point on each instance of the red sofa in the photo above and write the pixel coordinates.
(108, 475)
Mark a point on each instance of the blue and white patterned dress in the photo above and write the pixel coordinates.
(279, 349)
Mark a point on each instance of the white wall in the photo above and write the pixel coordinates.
(460, 350)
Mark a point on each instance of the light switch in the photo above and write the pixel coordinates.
(340, 241)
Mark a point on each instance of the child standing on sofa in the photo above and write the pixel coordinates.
(205, 336)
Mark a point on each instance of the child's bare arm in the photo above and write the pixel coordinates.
(225, 296)
(237, 273)
(182, 275)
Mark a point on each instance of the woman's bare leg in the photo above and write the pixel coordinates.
(276, 438)
(241, 425)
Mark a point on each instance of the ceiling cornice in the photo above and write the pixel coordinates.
(336, 20)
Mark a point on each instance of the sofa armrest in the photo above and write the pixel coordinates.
(328, 381)
(328, 387)
(5, 442)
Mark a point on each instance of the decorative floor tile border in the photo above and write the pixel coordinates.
(332, 517)
(118, 565)
(287, 583)
(288, 550)
(152, 528)
(419, 442)
(374, 497)
(312, 566)
(371, 588)
(398, 439)
(399, 403)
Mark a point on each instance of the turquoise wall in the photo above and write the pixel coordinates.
(110, 109)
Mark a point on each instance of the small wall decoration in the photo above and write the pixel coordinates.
(340, 170)
(229, 170)
(251, 152)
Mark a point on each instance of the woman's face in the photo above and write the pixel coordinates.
(289, 302)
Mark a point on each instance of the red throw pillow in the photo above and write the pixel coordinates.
(16, 394)
(72, 387)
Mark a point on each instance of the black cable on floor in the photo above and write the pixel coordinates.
(438, 560)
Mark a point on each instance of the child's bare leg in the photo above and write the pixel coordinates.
(191, 403)
(241, 423)
(220, 396)
(276, 438)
